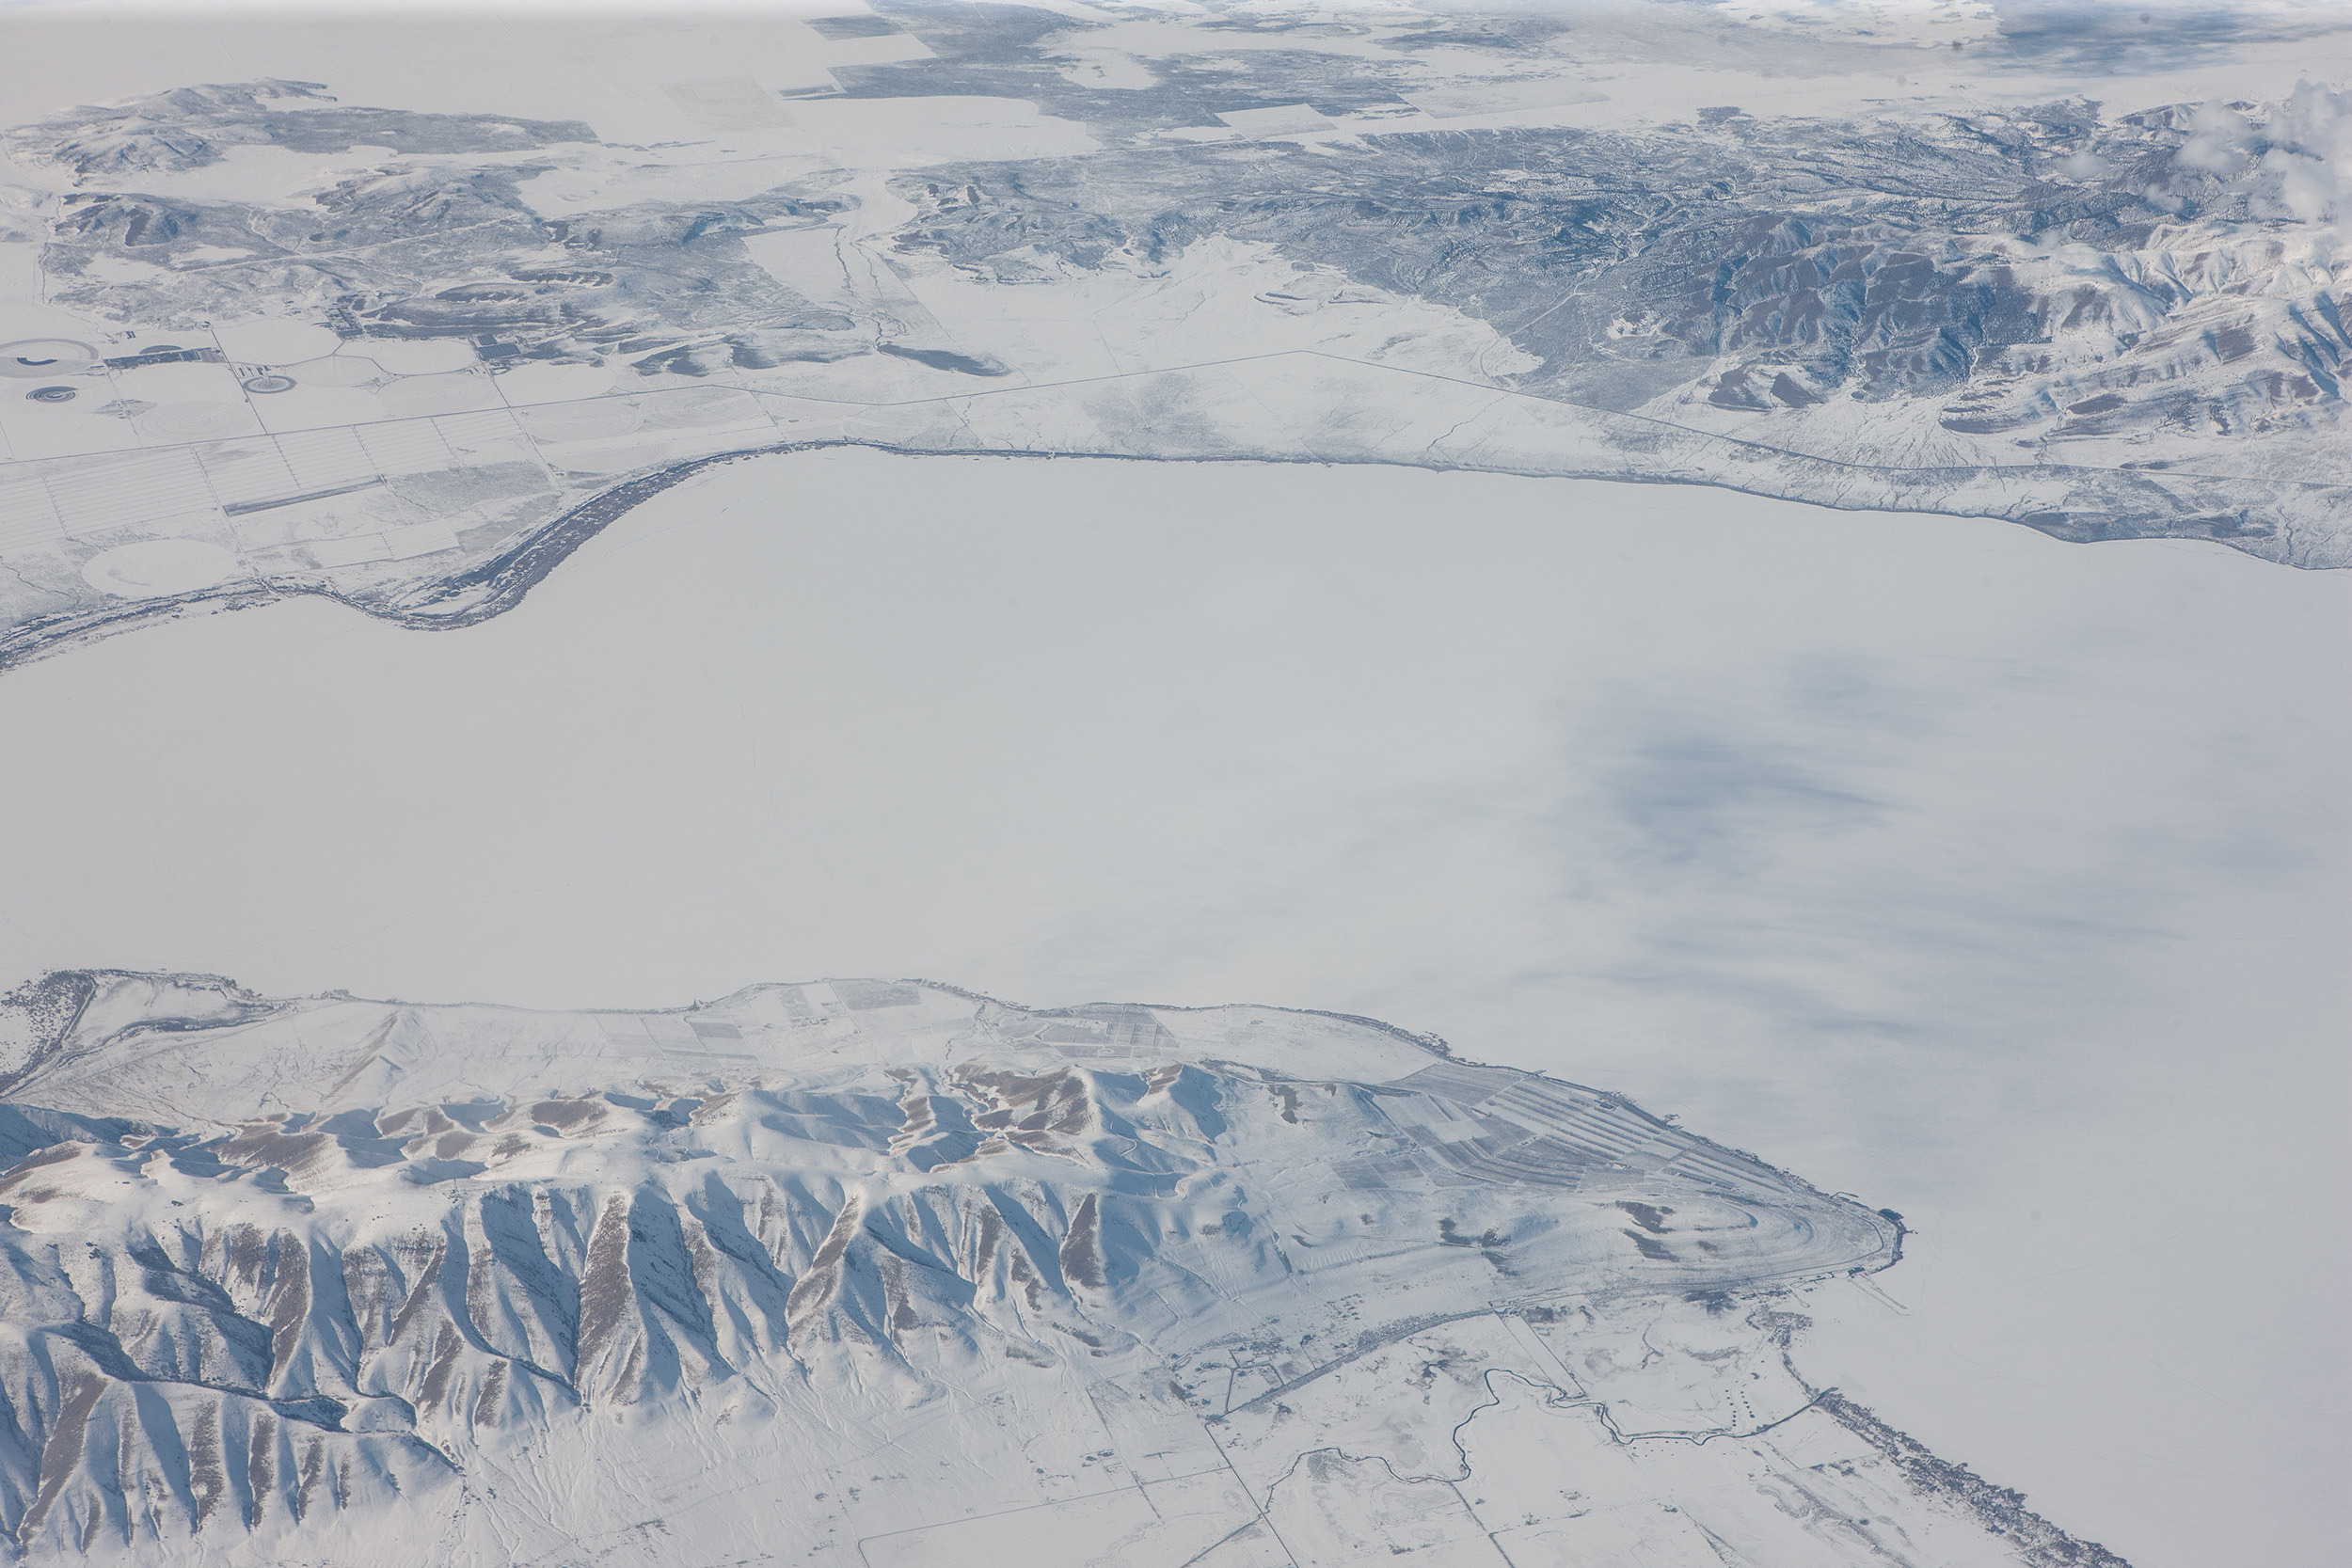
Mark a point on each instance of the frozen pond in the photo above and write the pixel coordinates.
(1999, 881)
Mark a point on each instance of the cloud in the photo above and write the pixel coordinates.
(2289, 160)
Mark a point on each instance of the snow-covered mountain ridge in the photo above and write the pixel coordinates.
(279, 1270)
(2023, 286)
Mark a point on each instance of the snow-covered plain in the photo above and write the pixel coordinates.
(397, 315)
(1994, 879)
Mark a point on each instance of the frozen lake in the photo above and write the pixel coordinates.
(1999, 881)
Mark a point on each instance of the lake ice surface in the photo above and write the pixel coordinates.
(2000, 881)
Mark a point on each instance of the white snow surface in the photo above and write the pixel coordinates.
(1937, 860)
(1962, 903)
